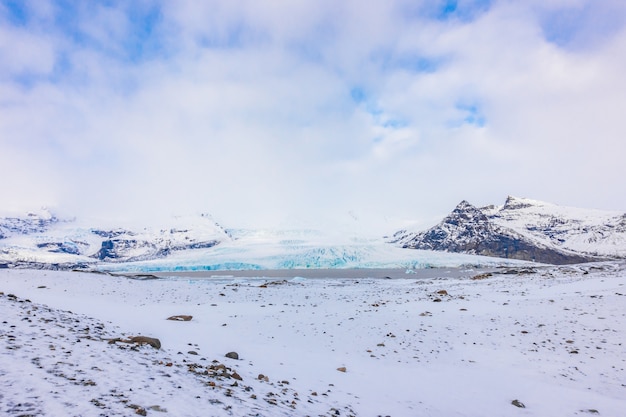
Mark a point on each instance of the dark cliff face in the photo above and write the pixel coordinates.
(468, 230)
(127, 250)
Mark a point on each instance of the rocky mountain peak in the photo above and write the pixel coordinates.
(521, 229)
(516, 203)
(465, 212)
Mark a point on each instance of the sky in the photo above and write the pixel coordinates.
(381, 114)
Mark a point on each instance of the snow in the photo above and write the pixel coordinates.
(303, 250)
(198, 242)
(29, 244)
(445, 345)
(597, 232)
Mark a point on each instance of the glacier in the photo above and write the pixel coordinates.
(198, 243)
(284, 249)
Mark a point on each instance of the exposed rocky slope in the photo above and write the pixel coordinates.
(41, 239)
(526, 230)
(521, 229)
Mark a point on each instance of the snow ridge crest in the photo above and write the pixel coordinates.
(525, 229)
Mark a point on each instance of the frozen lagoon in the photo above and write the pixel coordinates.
(323, 273)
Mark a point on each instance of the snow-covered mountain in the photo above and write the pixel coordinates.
(525, 229)
(520, 229)
(303, 249)
(198, 243)
(42, 238)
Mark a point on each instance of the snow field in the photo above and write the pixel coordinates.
(553, 340)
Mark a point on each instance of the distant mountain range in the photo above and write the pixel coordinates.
(521, 229)
(524, 229)
(42, 238)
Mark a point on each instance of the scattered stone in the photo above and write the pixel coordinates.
(138, 409)
(157, 408)
(342, 369)
(232, 355)
(144, 340)
(518, 404)
(139, 340)
(180, 318)
(519, 271)
(97, 403)
(442, 292)
(591, 411)
(481, 276)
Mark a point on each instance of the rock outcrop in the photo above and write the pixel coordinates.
(468, 229)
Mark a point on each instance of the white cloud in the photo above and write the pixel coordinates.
(245, 109)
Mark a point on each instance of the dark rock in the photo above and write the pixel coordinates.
(481, 276)
(109, 234)
(144, 340)
(180, 318)
(232, 355)
(72, 248)
(518, 403)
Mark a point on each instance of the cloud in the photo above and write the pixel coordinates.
(276, 114)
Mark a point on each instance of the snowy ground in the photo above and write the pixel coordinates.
(554, 341)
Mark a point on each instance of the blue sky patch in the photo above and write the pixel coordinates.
(16, 11)
(415, 62)
(462, 10)
(358, 95)
(582, 26)
(472, 114)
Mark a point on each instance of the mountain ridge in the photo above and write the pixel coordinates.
(520, 229)
(525, 229)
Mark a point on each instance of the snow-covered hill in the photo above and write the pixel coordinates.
(525, 229)
(593, 232)
(199, 243)
(521, 229)
(42, 238)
